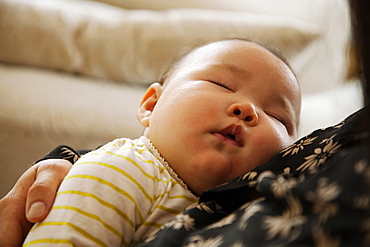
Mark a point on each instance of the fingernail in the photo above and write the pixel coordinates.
(36, 210)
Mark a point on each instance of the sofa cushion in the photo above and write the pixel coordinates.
(135, 46)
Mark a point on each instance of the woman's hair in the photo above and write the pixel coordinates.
(361, 37)
(172, 66)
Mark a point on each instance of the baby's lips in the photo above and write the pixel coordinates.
(236, 131)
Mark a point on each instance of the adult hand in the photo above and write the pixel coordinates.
(30, 200)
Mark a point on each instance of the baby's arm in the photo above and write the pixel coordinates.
(95, 204)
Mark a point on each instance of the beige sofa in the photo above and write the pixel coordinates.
(72, 72)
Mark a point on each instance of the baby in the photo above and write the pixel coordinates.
(218, 112)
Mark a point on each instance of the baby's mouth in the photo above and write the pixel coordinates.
(230, 136)
(234, 134)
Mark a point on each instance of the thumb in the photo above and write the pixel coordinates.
(49, 174)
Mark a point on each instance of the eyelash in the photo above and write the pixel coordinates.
(278, 119)
(221, 84)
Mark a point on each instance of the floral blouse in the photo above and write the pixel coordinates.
(313, 193)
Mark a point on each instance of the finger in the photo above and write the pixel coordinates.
(49, 174)
(14, 225)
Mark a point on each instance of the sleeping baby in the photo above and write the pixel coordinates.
(218, 111)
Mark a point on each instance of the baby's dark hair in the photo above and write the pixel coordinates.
(171, 67)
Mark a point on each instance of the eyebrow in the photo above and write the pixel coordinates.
(232, 68)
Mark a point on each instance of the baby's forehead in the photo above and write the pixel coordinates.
(229, 45)
(213, 52)
(241, 47)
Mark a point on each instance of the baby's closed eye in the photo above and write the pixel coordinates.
(221, 84)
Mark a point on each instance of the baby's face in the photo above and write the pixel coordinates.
(228, 107)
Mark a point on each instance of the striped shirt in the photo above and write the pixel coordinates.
(113, 196)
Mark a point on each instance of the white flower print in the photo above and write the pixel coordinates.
(294, 148)
(199, 241)
(320, 156)
(250, 175)
(225, 221)
(204, 207)
(362, 168)
(249, 211)
(246, 205)
(362, 202)
(284, 225)
(181, 220)
(287, 225)
(266, 174)
(281, 186)
(286, 170)
(70, 154)
(339, 125)
(322, 197)
(327, 139)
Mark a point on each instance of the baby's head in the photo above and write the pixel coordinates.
(225, 108)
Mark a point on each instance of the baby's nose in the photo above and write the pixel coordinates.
(246, 112)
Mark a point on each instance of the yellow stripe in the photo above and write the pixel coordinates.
(188, 198)
(141, 188)
(142, 150)
(162, 169)
(74, 227)
(94, 217)
(136, 164)
(152, 224)
(119, 190)
(168, 210)
(91, 216)
(49, 241)
(105, 203)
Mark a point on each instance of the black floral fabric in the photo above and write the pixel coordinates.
(64, 152)
(313, 193)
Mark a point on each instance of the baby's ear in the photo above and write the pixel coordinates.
(148, 102)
